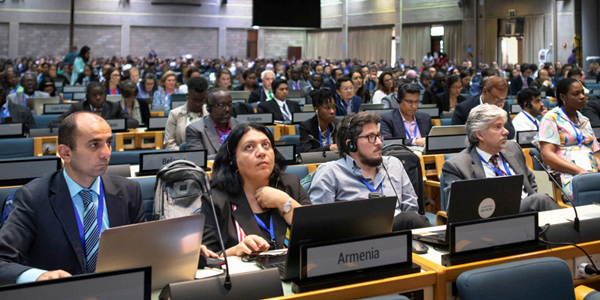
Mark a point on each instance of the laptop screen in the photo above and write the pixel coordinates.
(157, 123)
(153, 161)
(24, 170)
(299, 117)
(445, 144)
(288, 152)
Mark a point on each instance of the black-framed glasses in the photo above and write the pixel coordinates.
(223, 105)
(498, 99)
(371, 138)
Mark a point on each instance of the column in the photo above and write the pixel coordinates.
(125, 33)
(345, 28)
(260, 44)
(222, 48)
(398, 33)
(13, 39)
(589, 29)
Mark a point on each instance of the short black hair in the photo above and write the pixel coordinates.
(407, 88)
(247, 73)
(197, 84)
(334, 70)
(525, 67)
(211, 95)
(452, 79)
(339, 81)
(192, 70)
(351, 126)
(276, 83)
(322, 96)
(527, 95)
(305, 67)
(574, 71)
(91, 85)
(488, 72)
(225, 174)
(464, 73)
(129, 89)
(562, 87)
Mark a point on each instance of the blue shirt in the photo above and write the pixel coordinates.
(32, 274)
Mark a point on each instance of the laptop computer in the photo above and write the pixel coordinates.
(477, 199)
(328, 222)
(448, 130)
(171, 247)
(369, 106)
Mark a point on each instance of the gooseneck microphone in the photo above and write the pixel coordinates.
(576, 220)
(391, 183)
(313, 138)
(227, 283)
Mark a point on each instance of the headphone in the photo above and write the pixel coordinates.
(401, 93)
(528, 105)
(208, 107)
(352, 146)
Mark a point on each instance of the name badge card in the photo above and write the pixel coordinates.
(11, 130)
(117, 124)
(581, 158)
(262, 118)
(155, 160)
(56, 108)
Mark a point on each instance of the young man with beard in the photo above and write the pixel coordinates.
(362, 170)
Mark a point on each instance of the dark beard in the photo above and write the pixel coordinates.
(371, 162)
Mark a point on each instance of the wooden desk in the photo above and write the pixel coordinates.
(38, 145)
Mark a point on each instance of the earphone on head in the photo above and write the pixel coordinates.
(401, 93)
(352, 146)
(208, 107)
(528, 105)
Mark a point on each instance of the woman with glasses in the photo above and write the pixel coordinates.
(406, 122)
(193, 110)
(451, 97)
(384, 87)
(112, 78)
(254, 200)
(210, 132)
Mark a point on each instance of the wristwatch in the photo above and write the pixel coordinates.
(287, 207)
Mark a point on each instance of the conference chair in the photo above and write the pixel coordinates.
(446, 121)
(182, 146)
(441, 215)
(541, 278)
(119, 170)
(586, 189)
(301, 171)
(292, 140)
(147, 186)
(536, 165)
(43, 121)
(583, 292)
(16, 148)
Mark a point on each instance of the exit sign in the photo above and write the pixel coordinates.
(512, 12)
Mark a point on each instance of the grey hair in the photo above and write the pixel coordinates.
(480, 118)
(262, 75)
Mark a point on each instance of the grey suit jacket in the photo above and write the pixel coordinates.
(17, 98)
(468, 165)
(306, 93)
(21, 114)
(202, 135)
(176, 125)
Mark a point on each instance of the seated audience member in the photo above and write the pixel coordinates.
(148, 86)
(447, 101)
(384, 87)
(316, 82)
(491, 155)
(476, 86)
(391, 100)
(250, 84)
(264, 92)
(362, 170)
(345, 100)
(295, 83)
(87, 76)
(113, 76)
(305, 75)
(551, 73)
(18, 113)
(95, 102)
(224, 80)
(210, 132)
(592, 112)
(134, 74)
(181, 117)
(168, 87)
(29, 85)
(567, 142)
(254, 199)
(47, 86)
(530, 100)
(281, 108)
(319, 132)
(370, 84)
(465, 79)
(331, 82)
(522, 81)
(53, 74)
(136, 108)
(577, 74)
(406, 122)
(543, 83)
(12, 81)
(425, 80)
(438, 87)
(494, 92)
(40, 240)
(358, 83)
(191, 73)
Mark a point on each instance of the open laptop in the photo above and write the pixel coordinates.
(477, 199)
(171, 247)
(328, 222)
(448, 130)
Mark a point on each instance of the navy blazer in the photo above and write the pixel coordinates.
(341, 109)
(41, 231)
(392, 125)
(516, 84)
(258, 95)
(273, 107)
(461, 113)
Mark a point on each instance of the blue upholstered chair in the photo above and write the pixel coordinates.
(541, 278)
(147, 186)
(586, 188)
(182, 146)
(301, 171)
(536, 165)
(446, 121)
(16, 148)
(42, 121)
(292, 140)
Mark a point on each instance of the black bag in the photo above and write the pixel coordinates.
(412, 165)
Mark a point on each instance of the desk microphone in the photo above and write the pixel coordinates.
(313, 138)
(227, 283)
(576, 220)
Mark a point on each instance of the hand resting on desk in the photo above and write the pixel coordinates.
(53, 275)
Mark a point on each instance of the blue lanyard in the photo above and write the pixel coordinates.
(16, 88)
(321, 138)
(168, 96)
(5, 114)
(371, 188)
(579, 135)
(24, 100)
(110, 91)
(498, 172)
(99, 215)
(532, 120)
(223, 137)
(262, 225)
(416, 128)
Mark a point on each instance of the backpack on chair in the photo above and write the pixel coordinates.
(412, 166)
(178, 190)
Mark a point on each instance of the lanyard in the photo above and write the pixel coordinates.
(24, 100)
(116, 93)
(370, 187)
(262, 225)
(222, 137)
(579, 135)
(406, 130)
(16, 88)
(498, 172)
(99, 215)
(5, 114)
(321, 138)
(532, 120)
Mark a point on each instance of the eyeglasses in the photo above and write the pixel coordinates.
(498, 99)
(411, 102)
(349, 88)
(223, 105)
(372, 137)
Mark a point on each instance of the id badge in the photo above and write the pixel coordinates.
(581, 159)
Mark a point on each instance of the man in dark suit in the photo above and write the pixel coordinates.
(295, 83)
(281, 108)
(592, 112)
(438, 87)
(491, 155)
(40, 239)
(95, 101)
(319, 132)
(406, 122)
(18, 113)
(345, 100)
(494, 92)
(316, 82)
(265, 92)
(332, 81)
(523, 80)
(210, 132)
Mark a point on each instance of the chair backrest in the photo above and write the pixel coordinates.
(301, 171)
(16, 148)
(443, 185)
(536, 165)
(43, 121)
(540, 278)
(147, 187)
(119, 170)
(586, 189)
(128, 157)
(446, 121)
(182, 146)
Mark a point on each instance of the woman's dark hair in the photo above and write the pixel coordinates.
(129, 89)
(247, 73)
(562, 88)
(381, 85)
(82, 52)
(107, 74)
(197, 84)
(322, 96)
(453, 79)
(148, 75)
(361, 90)
(47, 81)
(192, 70)
(464, 73)
(225, 174)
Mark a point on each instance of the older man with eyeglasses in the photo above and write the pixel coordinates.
(210, 132)
(494, 91)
